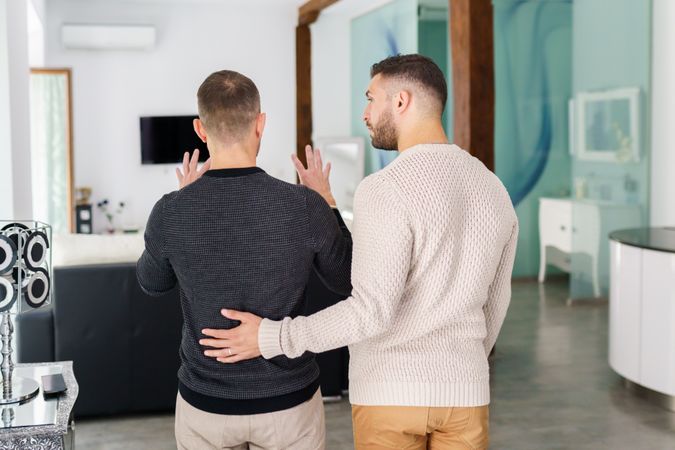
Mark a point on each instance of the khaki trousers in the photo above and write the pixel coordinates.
(408, 428)
(299, 428)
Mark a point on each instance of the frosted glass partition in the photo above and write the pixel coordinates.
(611, 157)
(434, 42)
(383, 32)
(399, 27)
(533, 84)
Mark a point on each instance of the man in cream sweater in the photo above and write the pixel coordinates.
(434, 242)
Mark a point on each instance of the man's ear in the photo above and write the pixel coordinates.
(260, 125)
(199, 129)
(402, 101)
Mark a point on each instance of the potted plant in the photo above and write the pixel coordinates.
(106, 208)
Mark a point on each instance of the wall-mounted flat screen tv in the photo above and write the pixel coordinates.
(165, 139)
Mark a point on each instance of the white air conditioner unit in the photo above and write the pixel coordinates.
(108, 37)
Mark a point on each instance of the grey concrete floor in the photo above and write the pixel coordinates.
(552, 388)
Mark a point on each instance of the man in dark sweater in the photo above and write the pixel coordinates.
(238, 238)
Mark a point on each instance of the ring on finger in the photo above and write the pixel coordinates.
(229, 351)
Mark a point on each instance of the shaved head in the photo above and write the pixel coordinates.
(228, 104)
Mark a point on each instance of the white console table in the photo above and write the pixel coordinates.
(581, 226)
(642, 308)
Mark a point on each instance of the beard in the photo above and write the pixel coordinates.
(385, 134)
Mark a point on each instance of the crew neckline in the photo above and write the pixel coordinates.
(233, 172)
(431, 146)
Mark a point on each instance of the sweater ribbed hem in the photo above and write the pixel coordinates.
(369, 393)
(269, 338)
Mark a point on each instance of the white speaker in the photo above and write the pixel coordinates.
(108, 37)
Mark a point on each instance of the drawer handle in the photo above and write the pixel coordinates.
(563, 227)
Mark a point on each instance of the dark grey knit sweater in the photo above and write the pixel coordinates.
(243, 240)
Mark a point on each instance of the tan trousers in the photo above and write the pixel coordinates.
(408, 428)
(299, 428)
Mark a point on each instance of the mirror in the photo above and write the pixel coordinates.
(52, 148)
(347, 159)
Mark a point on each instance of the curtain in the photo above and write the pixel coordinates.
(49, 149)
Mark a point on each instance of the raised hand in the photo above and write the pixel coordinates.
(190, 171)
(315, 176)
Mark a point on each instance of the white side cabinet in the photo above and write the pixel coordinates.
(642, 311)
(555, 230)
(581, 226)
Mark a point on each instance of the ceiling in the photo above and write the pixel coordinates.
(293, 3)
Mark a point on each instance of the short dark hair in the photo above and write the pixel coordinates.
(417, 69)
(228, 103)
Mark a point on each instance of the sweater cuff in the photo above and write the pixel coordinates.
(269, 338)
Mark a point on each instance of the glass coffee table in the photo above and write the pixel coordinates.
(44, 423)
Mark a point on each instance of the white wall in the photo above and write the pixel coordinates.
(15, 170)
(36, 33)
(663, 111)
(331, 76)
(112, 89)
(6, 188)
(39, 6)
(331, 67)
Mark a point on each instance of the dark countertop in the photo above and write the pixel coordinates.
(661, 239)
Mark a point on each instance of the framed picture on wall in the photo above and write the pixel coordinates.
(607, 125)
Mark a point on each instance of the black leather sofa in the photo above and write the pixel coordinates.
(124, 343)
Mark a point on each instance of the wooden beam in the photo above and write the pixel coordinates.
(303, 82)
(309, 12)
(308, 18)
(471, 39)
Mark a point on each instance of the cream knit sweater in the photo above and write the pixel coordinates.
(434, 241)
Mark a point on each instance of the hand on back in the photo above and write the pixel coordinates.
(236, 344)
